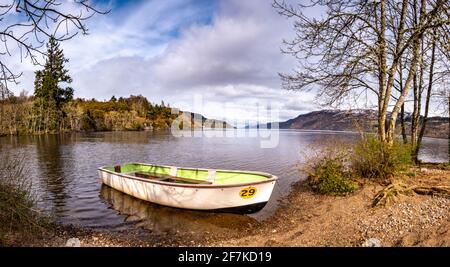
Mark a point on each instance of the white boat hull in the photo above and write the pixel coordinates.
(195, 197)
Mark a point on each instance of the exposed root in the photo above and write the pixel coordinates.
(389, 194)
(433, 190)
(392, 191)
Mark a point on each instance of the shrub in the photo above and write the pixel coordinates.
(17, 215)
(374, 159)
(327, 169)
(331, 178)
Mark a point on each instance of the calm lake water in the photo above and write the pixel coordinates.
(63, 169)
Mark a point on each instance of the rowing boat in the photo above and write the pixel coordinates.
(192, 188)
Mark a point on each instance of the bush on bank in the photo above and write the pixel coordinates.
(328, 171)
(333, 168)
(374, 159)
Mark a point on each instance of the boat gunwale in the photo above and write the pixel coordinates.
(270, 177)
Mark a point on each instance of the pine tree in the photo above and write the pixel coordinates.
(51, 97)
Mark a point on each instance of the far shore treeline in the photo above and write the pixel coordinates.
(21, 115)
(52, 108)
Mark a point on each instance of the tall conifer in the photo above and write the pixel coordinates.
(50, 96)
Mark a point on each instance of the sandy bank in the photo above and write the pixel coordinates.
(308, 219)
(304, 219)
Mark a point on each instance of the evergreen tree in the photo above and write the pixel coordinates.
(51, 97)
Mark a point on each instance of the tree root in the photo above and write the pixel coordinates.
(433, 190)
(389, 193)
(392, 191)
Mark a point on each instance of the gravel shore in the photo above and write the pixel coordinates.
(303, 219)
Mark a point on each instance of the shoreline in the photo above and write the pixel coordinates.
(168, 130)
(304, 218)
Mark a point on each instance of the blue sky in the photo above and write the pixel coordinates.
(184, 13)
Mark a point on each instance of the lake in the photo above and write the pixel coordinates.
(63, 169)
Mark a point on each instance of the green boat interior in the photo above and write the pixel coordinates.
(187, 175)
(168, 178)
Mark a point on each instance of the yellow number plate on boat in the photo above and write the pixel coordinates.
(247, 192)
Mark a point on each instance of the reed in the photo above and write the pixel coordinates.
(18, 217)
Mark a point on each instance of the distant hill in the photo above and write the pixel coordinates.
(192, 120)
(356, 120)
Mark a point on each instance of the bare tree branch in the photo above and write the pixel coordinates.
(25, 25)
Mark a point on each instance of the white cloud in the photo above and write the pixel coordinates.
(239, 47)
(232, 61)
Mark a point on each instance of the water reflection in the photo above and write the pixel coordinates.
(434, 150)
(54, 169)
(162, 219)
(139, 137)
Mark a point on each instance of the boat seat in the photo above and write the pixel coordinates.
(169, 178)
(211, 176)
(173, 171)
(148, 176)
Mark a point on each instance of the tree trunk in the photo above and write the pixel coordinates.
(402, 121)
(401, 100)
(413, 67)
(383, 97)
(427, 101)
(417, 107)
(386, 92)
(402, 111)
(417, 93)
(415, 114)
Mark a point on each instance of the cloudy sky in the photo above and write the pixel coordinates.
(219, 58)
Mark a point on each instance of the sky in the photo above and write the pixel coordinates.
(220, 58)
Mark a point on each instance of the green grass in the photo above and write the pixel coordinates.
(18, 218)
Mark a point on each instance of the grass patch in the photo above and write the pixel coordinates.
(18, 218)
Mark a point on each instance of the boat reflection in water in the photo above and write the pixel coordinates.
(161, 219)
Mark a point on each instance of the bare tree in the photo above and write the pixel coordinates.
(358, 46)
(27, 24)
(421, 128)
(429, 80)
